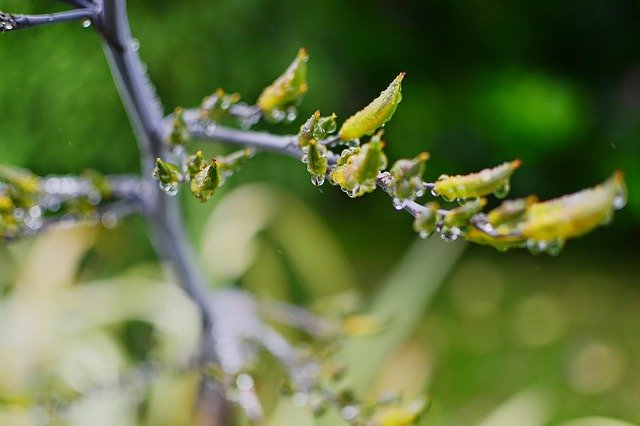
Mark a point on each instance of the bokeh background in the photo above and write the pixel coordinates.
(556, 84)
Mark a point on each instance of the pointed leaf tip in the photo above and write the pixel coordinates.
(376, 114)
(289, 88)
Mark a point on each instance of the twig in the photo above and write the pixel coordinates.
(10, 22)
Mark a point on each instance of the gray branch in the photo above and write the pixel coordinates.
(10, 22)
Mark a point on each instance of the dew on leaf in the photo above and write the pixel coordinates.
(503, 191)
(317, 180)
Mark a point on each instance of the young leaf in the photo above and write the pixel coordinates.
(179, 134)
(229, 164)
(485, 182)
(216, 106)
(307, 130)
(426, 221)
(168, 176)
(316, 159)
(289, 88)
(575, 214)
(358, 168)
(374, 115)
(460, 216)
(205, 182)
(407, 181)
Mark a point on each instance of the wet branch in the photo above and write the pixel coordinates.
(10, 22)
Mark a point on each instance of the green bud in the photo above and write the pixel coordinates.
(485, 182)
(510, 211)
(289, 88)
(460, 216)
(229, 164)
(168, 176)
(307, 129)
(217, 106)
(407, 177)
(374, 115)
(195, 163)
(205, 182)
(425, 221)
(179, 134)
(357, 168)
(324, 127)
(316, 158)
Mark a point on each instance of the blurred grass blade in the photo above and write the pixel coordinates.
(403, 298)
(530, 407)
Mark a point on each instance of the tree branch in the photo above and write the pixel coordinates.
(10, 22)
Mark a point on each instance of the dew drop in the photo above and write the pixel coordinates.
(305, 158)
(292, 114)
(537, 246)
(317, 180)
(135, 44)
(349, 412)
(353, 143)
(503, 191)
(244, 382)
(86, 23)
(434, 193)
(449, 234)
(169, 188)
(619, 201)
(555, 247)
(398, 203)
(425, 235)
(278, 115)
(109, 220)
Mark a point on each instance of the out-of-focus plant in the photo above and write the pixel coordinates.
(350, 156)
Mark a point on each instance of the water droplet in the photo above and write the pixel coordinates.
(398, 203)
(317, 180)
(109, 220)
(35, 211)
(18, 214)
(305, 158)
(619, 201)
(244, 382)
(292, 114)
(503, 191)
(135, 44)
(353, 143)
(425, 235)
(94, 198)
(210, 129)
(169, 188)
(449, 234)
(434, 193)
(86, 23)
(537, 246)
(33, 223)
(278, 115)
(349, 412)
(555, 247)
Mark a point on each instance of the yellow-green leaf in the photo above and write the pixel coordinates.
(487, 181)
(575, 214)
(374, 115)
(289, 88)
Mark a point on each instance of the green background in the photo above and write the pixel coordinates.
(556, 84)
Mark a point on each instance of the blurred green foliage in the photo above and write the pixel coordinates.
(556, 84)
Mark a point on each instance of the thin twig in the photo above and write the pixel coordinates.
(10, 22)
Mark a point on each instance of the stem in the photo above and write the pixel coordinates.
(10, 22)
(145, 114)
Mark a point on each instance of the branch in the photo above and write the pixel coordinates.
(108, 214)
(286, 145)
(10, 22)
